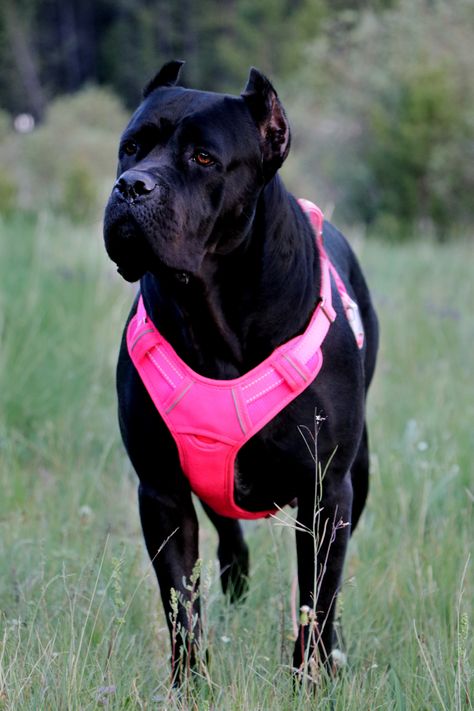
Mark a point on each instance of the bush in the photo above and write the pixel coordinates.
(8, 194)
(8, 186)
(68, 163)
(392, 107)
(409, 130)
(79, 196)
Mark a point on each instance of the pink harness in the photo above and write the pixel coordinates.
(211, 419)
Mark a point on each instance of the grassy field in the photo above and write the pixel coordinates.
(81, 625)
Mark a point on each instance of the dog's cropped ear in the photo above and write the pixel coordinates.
(167, 76)
(269, 116)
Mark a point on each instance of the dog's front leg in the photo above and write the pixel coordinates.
(170, 528)
(321, 539)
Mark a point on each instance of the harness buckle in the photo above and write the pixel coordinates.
(293, 371)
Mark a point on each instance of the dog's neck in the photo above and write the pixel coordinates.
(245, 304)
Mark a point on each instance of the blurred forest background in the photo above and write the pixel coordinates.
(380, 94)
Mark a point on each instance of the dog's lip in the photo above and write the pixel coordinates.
(125, 245)
(133, 265)
(129, 274)
(133, 271)
(182, 270)
(131, 268)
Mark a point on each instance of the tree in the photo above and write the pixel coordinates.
(55, 46)
(26, 89)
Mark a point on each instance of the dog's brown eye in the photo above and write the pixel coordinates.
(202, 158)
(130, 148)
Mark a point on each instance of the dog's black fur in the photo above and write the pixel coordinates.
(229, 270)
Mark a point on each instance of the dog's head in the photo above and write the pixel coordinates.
(191, 167)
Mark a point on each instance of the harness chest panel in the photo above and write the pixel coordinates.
(209, 419)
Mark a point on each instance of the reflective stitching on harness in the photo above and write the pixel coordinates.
(254, 382)
(163, 354)
(158, 367)
(178, 399)
(149, 330)
(267, 390)
(239, 416)
(298, 370)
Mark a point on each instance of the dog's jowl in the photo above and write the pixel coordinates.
(253, 323)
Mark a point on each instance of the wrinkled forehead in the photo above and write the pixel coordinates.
(198, 116)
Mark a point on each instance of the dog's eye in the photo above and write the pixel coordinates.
(130, 148)
(203, 158)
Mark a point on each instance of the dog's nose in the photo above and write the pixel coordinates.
(135, 183)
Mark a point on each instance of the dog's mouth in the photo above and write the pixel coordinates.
(133, 272)
(129, 250)
(136, 252)
(125, 244)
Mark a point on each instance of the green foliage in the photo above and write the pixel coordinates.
(68, 163)
(50, 47)
(410, 127)
(382, 110)
(271, 35)
(79, 194)
(380, 94)
(8, 186)
(8, 194)
(219, 41)
(5, 125)
(392, 105)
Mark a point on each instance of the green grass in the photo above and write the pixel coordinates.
(81, 624)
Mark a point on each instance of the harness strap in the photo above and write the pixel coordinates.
(289, 363)
(211, 419)
(294, 363)
(350, 307)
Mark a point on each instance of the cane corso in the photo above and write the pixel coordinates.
(229, 271)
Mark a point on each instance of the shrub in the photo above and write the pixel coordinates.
(8, 194)
(409, 129)
(390, 104)
(8, 186)
(79, 195)
(68, 162)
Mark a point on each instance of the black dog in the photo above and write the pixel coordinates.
(229, 270)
